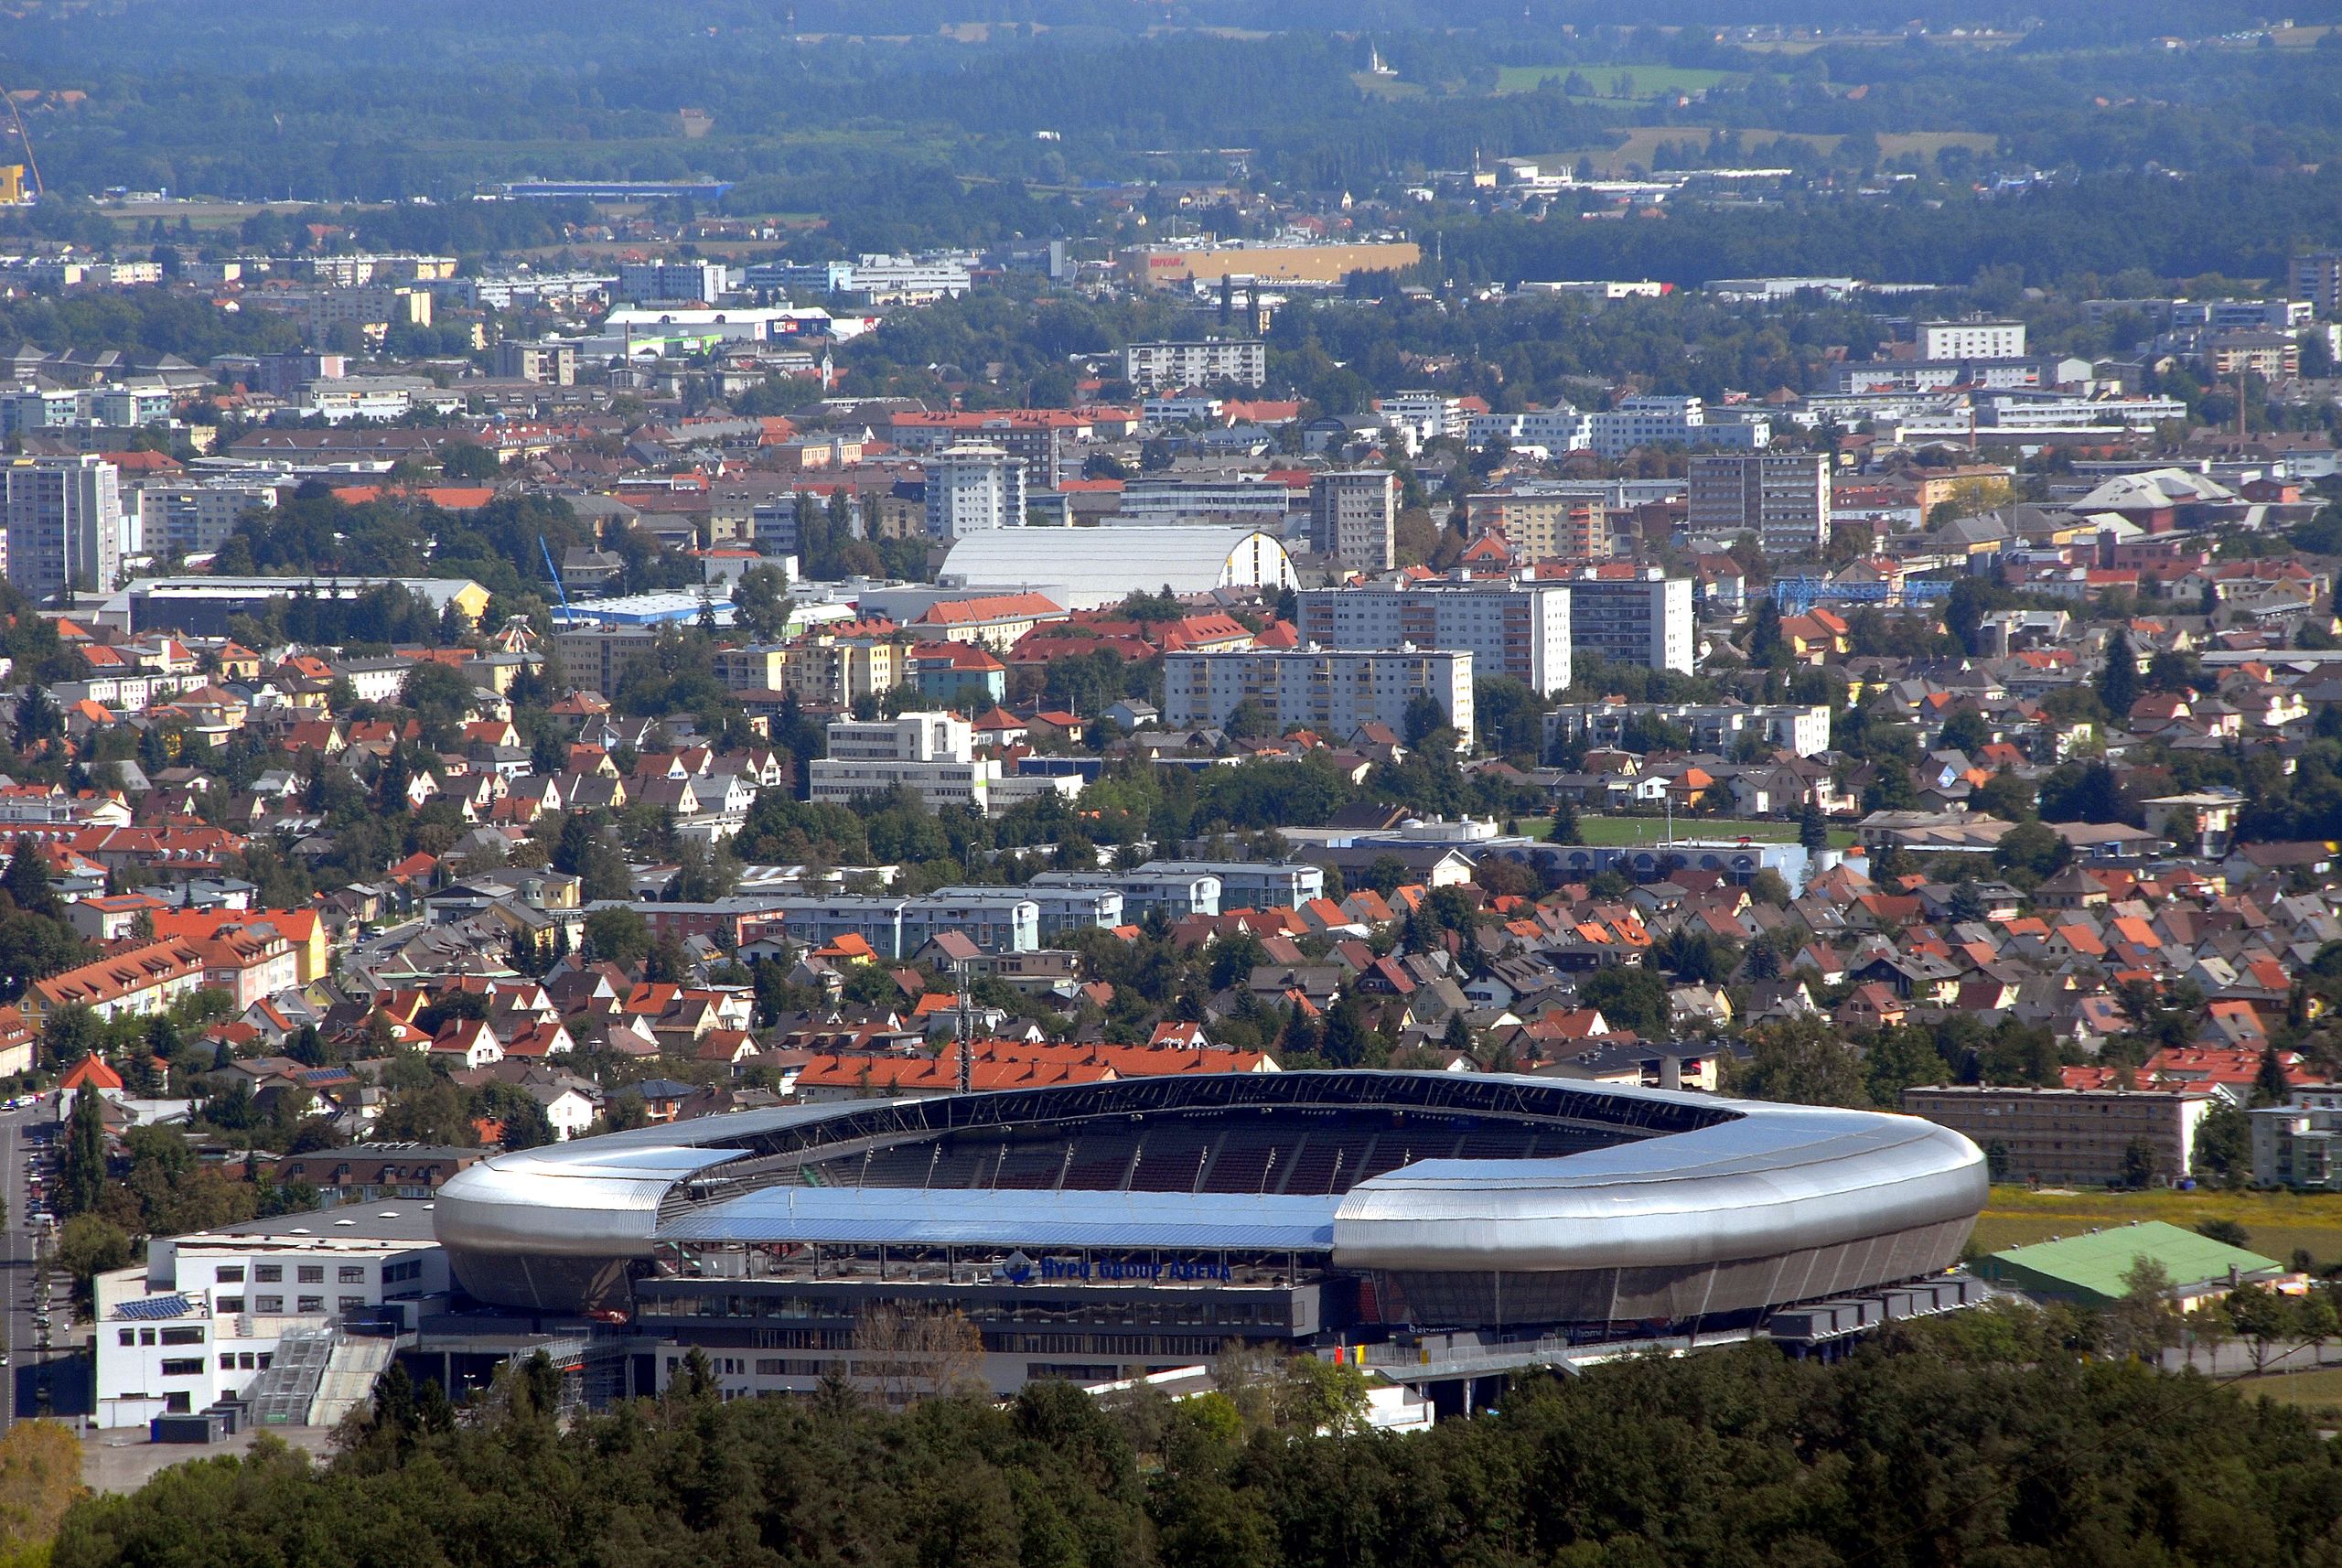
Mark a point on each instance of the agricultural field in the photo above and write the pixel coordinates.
(2276, 1223)
(1642, 81)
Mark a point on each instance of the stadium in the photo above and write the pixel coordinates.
(1459, 1223)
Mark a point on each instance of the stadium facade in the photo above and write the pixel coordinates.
(1110, 1229)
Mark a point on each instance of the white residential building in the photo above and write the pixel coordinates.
(1632, 616)
(1519, 629)
(649, 283)
(910, 280)
(1334, 692)
(65, 528)
(1675, 421)
(1174, 894)
(1800, 727)
(972, 487)
(1558, 429)
(1782, 498)
(194, 517)
(1166, 367)
(1354, 518)
(1971, 340)
(1425, 417)
(930, 752)
(206, 1313)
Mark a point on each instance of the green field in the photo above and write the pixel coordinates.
(2319, 1391)
(1649, 80)
(2276, 1223)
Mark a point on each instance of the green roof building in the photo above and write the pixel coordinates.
(2088, 1270)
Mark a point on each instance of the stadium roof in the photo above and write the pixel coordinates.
(2091, 1268)
(1083, 568)
(978, 1216)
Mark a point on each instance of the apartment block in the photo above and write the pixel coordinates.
(191, 519)
(1557, 430)
(2080, 1137)
(1519, 629)
(930, 752)
(1632, 614)
(2293, 1143)
(1717, 727)
(599, 656)
(553, 364)
(971, 488)
(1166, 367)
(2317, 278)
(1063, 906)
(998, 919)
(1354, 518)
(1425, 417)
(649, 282)
(1174, 896)
(1540, 524)
(1674, 422)
(1781, 498)
(64, 520)
(1971, 340)
(1336, 693)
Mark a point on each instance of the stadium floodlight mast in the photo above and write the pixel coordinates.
(967, 1045)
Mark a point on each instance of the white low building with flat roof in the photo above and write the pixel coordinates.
(207, 1314)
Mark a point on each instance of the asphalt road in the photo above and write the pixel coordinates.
(17, 1333)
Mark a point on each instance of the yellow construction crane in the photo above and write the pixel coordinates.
(12, 176)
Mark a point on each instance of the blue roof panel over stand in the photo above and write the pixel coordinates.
(980, 1217)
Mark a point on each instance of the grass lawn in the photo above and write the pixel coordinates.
(2316, 1391)
(1649, 80)
(2276, 1223)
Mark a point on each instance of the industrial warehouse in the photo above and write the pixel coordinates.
(1443, 1227)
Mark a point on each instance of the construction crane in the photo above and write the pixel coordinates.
(555, 573)
(32, 165)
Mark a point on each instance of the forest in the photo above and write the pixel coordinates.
(1993, 1437)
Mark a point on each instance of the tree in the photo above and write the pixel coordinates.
(2227, 1232)
(1803, 1063)
(1628, 997)
(2141, 1323)
(1423, 717)
(2269, 1085)
(618, 936)
(87, 1245)
(2118, 679)
(1346, 1035)
(2261, 1317)
(26, 879)
(69, 1034)
(1812, 829)
(2142, 1167)
(760, 602)
(915, 1353)
(2224, 1148)
(2032, 849)
(82, 1178)
(1565, 828)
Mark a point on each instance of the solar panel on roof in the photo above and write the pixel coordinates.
(156, 1307)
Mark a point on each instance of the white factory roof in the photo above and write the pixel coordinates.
(1083, 568)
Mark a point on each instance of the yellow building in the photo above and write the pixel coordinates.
(1162, 266)
(11, 184)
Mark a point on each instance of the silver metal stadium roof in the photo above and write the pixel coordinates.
(1693, 1180)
